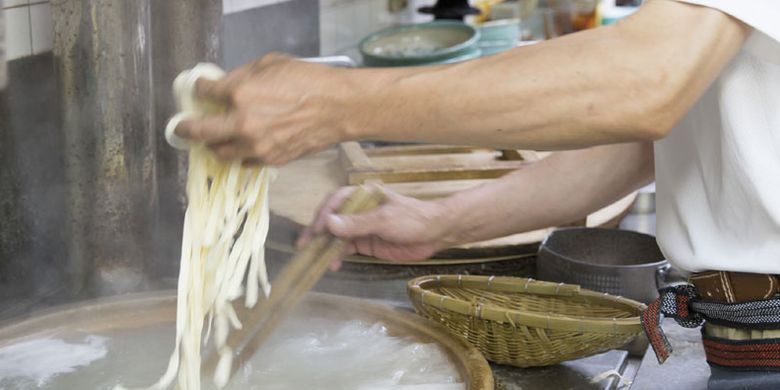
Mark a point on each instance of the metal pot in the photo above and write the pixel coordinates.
(613, 261)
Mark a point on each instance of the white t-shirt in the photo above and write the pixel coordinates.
(718, 172)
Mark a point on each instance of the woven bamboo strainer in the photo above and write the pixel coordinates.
(525, 322)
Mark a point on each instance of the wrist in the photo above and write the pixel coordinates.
(375, 106)
(453, 220)
(339, 105)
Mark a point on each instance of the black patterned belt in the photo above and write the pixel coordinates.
(684, 304)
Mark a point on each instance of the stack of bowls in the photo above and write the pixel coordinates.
(499, 35)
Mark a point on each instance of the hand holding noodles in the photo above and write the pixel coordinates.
(225, 227)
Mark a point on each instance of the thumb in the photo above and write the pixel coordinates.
(354, 226)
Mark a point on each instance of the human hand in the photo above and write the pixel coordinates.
(278, 109)
(401, 229)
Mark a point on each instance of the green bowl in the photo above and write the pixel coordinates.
(494, 47)
(500, 30)
(437, 42)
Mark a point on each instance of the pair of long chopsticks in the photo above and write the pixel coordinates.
(292, 283)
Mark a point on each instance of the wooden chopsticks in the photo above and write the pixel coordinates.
(292, 283)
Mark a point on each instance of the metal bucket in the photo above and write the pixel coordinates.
(613, 261)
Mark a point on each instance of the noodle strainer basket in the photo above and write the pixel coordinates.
(524, 322)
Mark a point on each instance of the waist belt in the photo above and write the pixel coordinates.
(753, 354)
(734, 287)
(748, 301)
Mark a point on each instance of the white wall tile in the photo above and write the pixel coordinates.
(410, 14)
(343, 23)
(42, 28)
(345, 27)
(380, 16)
(326, 4)
(14, 3)
(3, 70)
(233, 6)
(18, 40)
(328, 26)
(363, 19)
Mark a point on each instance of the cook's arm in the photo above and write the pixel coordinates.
(564, 187)
(631, 81)
(627, 82)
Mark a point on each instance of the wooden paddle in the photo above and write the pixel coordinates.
(298, 277)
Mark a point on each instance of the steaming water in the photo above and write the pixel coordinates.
(321, 354)
(41, 359)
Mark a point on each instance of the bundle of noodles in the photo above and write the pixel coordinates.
(225, 228)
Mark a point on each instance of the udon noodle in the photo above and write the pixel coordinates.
(225, 227)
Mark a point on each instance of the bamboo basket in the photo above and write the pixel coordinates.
(525, 322)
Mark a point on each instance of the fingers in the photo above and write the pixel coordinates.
(358, 225)
(328, 207)
(331, 206)
(342, 226)
(211, 129)
(304, 238)
(235, 151)
(220, 91)
(252, 162)
(382, 249)
(224, 90)
(367, 223)
(335, 266)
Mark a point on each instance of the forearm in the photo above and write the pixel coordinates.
(561, 188)
(560, 94)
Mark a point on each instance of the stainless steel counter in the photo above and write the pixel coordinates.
(686, 368)
(571, 375)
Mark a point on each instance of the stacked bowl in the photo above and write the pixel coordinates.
(499, 35)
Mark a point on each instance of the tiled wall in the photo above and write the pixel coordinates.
(32, 189)
(3, 70)
(28, 28)
(343, 23)
(253, 28)
(233, 6)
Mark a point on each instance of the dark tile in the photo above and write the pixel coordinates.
(32, 191)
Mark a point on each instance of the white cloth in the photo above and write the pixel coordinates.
(718, 172)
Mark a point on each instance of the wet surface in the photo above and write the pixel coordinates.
(574, 375)
(686, 368)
